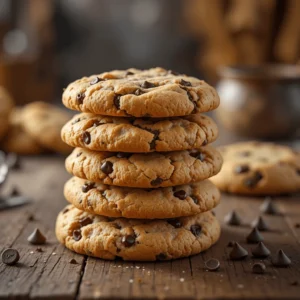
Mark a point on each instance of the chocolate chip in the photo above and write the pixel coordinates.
(254, 236)
(196, 229)
(191, 98)
(173, 72)
(10, 256)
(197, 154)
(78, 154)
(295, 283)
(107, 167)
(138, 92)
(128, 240)
(36, 237)
(212, 264)
(161, 256)
(298, 172)
(297, 225)
(87, 186)
(238, 252)
(73, 261)
(268, 207)
(39, 249)
(281, 260)
(86, 137)
(175, 223)
(85, 221)
(30, 217)
(241, 169)
(244, 153)
(128, 73)
(230, 244)
(233, 219)
(79, 98)
(76, 121)
(14, 192)
(185, 83)
(97, 123)
(77, 235)
(155, 137)
(261, 251)
(147, 85)
(123, 155)
(253, 181)
(260, 224)
(156, 181)
(205, 142)
(96, 80)
(117, 98)
(258, 268)
(181, 194)
(195, 199)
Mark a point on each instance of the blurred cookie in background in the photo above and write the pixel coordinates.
(6, 105)
(43, 122)
(17, 140)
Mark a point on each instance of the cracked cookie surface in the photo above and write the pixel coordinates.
(102, 133)
(113, 201)
(141, 93)
(259, 168)
(5, 108)
(43, 122)
(132, 239)
(149, 170)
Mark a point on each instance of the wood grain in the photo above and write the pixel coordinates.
(50, 275)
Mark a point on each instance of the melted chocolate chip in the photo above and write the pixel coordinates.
(205, 142)
(87, 186)
(156, 181)
(96, 80)
(76, 121)
(85, 221)
(128, 73)
(161, 256)
(107, 167)
(181, 194)
(77, 235)
(153, 142)
(86, 137)
(65, 211)
(241, 169)
(147, 85)
(117, 101)
(185, 83)
(175, 223)
(128, 240)
(196, 229)
(253, 181)
(197, 154)
(78, 154)
(123, 155)
(190, 96)
(79, 98)
(97, 123)
(138, 92)
(173, 72)
(195, 199)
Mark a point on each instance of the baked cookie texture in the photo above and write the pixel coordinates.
(257, 168)
(102, 133)
(43, 122)
(141, 93)
(139, 240)
(17, 140)
(6, 106)
(161, 203)
(151, 170)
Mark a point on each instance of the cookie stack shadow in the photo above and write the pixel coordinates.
(141, 165)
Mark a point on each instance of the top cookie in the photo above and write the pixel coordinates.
(103, 133)
(43, 122)
(149, 93)
(259, 168)
(5, 109)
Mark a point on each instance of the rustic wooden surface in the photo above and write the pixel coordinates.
(50, 275)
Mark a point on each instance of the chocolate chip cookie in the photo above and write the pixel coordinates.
(257, 168)
(150, 170)
(43, 122)
(113, 201)
(6, 105)
(102, 133)
(132, 239)
(141, 93)
(17, 140)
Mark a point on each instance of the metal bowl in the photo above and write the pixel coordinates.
(260, 101)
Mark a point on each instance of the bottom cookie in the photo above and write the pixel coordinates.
(131, 239)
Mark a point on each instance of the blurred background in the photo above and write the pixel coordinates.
(45, 44)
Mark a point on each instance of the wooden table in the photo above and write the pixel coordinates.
(49, 274)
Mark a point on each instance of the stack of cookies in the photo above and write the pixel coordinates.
(141, 166)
